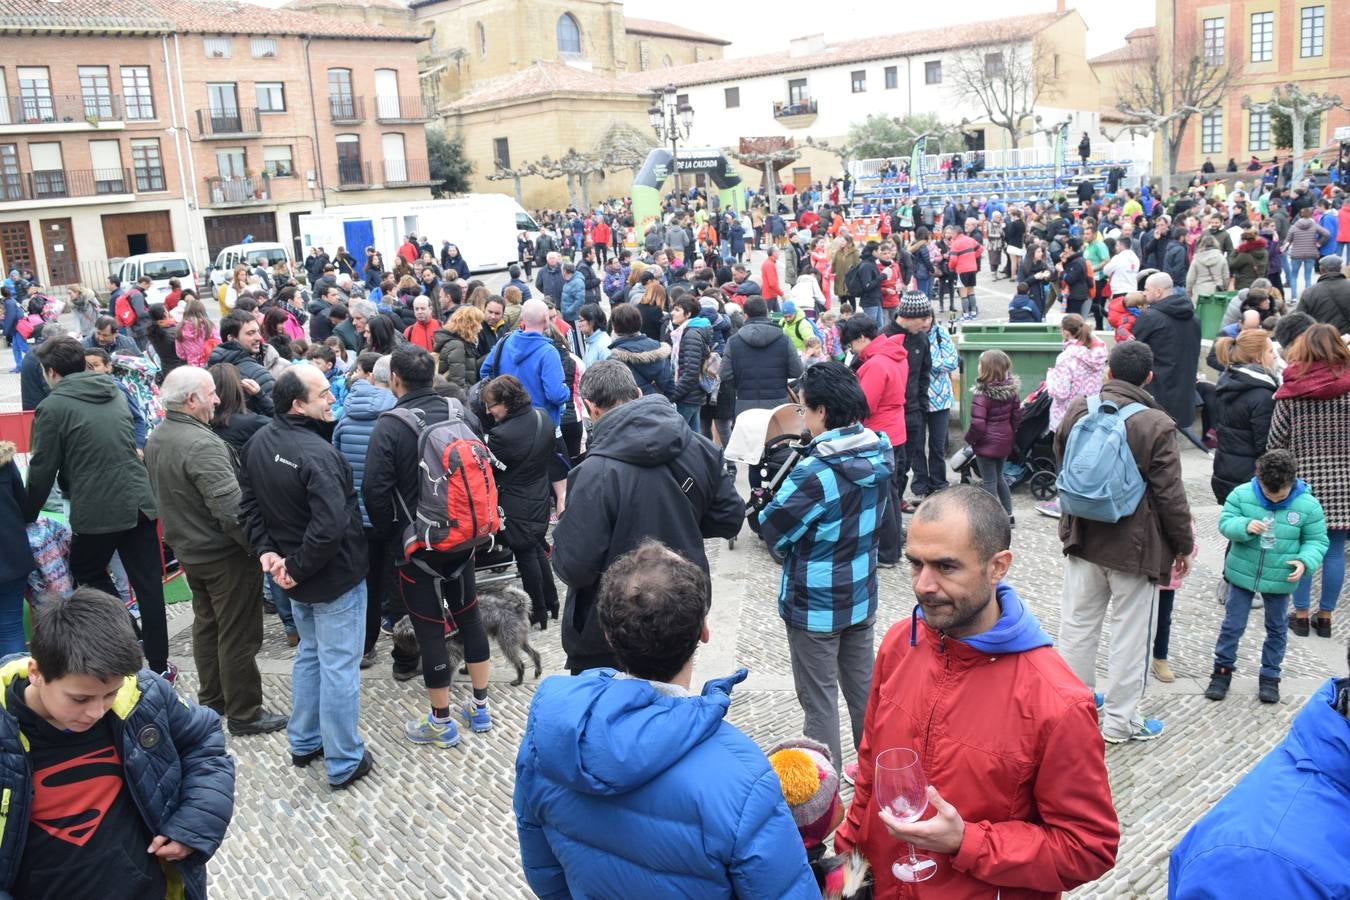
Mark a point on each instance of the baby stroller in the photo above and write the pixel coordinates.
(1033, 457)
(771, 442)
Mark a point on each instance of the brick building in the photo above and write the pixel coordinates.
(149, 125)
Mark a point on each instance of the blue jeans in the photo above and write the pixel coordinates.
(1333, 576)
(1344, 250)
(282, 601)
(925, 284)
(11, 616)
(326, 681)
(1235, 613)
(875, 314)
(690, 413)
(1304, 266)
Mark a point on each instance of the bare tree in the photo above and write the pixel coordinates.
(623, 147)
(1290, 100)
(1164, 87)
(1007, 76)
(516, 174)
(878, 137)
(577, 168)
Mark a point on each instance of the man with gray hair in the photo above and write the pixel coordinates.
(573, 292)
(197, 492)
(352, 330)
(646, 476)
(1329, 300)
(1171, 330)
(550, 279)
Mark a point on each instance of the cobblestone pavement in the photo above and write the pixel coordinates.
(438, 823)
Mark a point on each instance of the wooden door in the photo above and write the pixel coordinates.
(801, 178)
(16, 246)
(145, 232)
(63, 263)
(222, 231)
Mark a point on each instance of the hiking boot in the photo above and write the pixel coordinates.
(1299, 625)
(1322, 624)
(427, 730)
(1150, 729)
(1162, 671)
(477, 717)
(1219, 682)
(1269, 691)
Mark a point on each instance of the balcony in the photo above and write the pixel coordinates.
(390, 109)
(354, 175)
(113, 185)
(219, 124)
(241, 190)
(60, 112)
(795, 113)
(346, 110)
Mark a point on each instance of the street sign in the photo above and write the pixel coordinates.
(1342, 133)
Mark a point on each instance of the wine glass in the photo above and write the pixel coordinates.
(901, 789)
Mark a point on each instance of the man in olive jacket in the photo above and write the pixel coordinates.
(192, 472)
(83, 438)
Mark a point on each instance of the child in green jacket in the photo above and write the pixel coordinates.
(1278, 534)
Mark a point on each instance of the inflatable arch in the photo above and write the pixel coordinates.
(657, 168)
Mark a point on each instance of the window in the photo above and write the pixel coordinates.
(105, 157)
(349, 160)
(666, 61)
(1263, 36)
(146, 163)
(501, 152)
(271, 96)
(231, 162)
(49, 177)
(11, 182)
(4, 104)
(644, 56)
(1211, 133)
(482, 39)
(1312, 130)
(858, 78)
(993, 65)
(797, 91)
(96, 91)
(1212, 30)
(395, 159)
(35, 94)
(1055, 67)
(277, 161)
(140, 102)
(216, 47)
(387, 104)
(1258, 130)
(1311, 31)
(932, 72)
(681, 100)
(892, 77)
(341, 103)
(733, 97)
(263, 47)
(569, 35)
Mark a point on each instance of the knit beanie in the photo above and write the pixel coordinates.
(914, 305)
(810, 787)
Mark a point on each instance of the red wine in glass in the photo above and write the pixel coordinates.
(901, 789)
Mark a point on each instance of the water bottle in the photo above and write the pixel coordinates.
(1268, 536)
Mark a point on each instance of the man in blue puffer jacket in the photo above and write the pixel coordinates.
(125, 793)
(629, 785)
(368, 396)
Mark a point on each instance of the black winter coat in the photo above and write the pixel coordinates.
(1243, 404)
(652, 319)
(523, 443)
(759, 363)
(239, 429)
(869, 277)
(648, 360)
(1172, 332)
(231, 352)
(920, 356)
(1328, 301)
(629, 471)
(298, 500)
(695, 345)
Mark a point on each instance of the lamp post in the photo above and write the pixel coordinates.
(671, 120)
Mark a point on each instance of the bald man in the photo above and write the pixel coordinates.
(1171, 330)
(529, 354)
(193, 478)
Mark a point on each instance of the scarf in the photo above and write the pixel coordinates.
(1313, 382)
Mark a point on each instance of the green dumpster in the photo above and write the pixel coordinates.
(1032, 347)
(1017, 328)
(1209, 309)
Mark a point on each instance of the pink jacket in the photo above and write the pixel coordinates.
(1077, 372)
(191, 344)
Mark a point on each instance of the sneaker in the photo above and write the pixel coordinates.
(386, 626)
(361, 771)
(1269, 691)
(886, 565)
(477, 717)
(1152, 728)
(850, 772)
(1219, 683)
(367, 659)
(170, 673)
(1049, 508)
(427, 730)
(1098, 700)
(1162, 671)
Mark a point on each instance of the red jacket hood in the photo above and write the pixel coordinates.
(893, 348)
(1317, 381)
(883, 375)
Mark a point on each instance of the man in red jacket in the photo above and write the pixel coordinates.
(1018, 797)
(768, 279)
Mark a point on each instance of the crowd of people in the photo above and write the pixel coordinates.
(295, 454)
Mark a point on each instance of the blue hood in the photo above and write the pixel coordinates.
(523, 345)
(365, 401)
(855, 453)
(608, 735)
(1016, 631)
(1300, 487)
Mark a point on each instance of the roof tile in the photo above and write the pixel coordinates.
(666, 29)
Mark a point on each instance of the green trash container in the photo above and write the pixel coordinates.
(1209, 309)
(1033, 349)
(1015, 328)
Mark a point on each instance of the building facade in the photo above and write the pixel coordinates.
(178, 126)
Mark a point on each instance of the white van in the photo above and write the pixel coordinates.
(159, 268)
(247, 255)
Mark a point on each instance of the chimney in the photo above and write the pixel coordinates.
(804, 46)
(1059, 7)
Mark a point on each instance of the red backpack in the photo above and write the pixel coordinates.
(457, 492)
(126, 316)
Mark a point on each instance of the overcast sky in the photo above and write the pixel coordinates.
(755, 28)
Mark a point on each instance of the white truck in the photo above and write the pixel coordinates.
(483, 226)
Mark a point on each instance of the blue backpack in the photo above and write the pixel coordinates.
(1098, 478)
